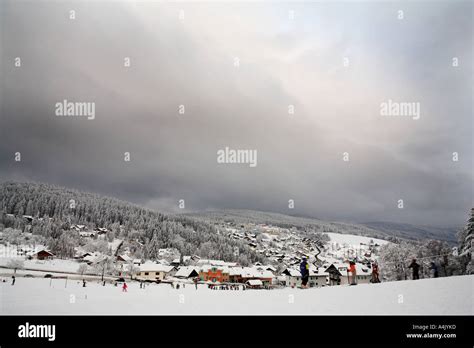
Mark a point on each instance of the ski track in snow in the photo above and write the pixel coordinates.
(441, 296)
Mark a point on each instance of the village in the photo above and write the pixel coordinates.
(283, 249)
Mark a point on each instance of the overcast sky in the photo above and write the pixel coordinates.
(282, 62)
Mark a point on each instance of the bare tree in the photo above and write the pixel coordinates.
(16, 264)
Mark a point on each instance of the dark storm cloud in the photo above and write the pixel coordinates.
(190, 62)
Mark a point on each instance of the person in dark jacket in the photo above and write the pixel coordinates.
(375, 273)
(304, 270)
(416, 268)
(13, 280)
(434, 270)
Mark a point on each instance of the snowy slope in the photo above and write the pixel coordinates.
(441, 296)
(352, 239)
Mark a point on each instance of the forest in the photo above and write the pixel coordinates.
(55, 209)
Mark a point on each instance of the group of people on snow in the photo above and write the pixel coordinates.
(352, 272)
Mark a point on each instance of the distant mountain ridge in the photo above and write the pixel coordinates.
(407, 231)
(383, 230)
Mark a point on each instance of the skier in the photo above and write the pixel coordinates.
(124, 287)
(13, 280)
(304, 270)
(375, 273)
(196, 283)
(434, 269)
(83, 283)
(352, 270)
(103, 284)
(415, 267)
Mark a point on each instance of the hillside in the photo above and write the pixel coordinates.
(55, 209)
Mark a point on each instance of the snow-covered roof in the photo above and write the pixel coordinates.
(216, 263)
(38, 250)
(255, 282)
(125, 257)
(87, 234)
(292, 272)
(155, 267)
(186, 271)
(206, 268)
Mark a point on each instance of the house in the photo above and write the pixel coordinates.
(252, 273)
(317, 277)
(94, 258)
(81, 254)
(187, 272)
(235, 275)
(28, 218)
(42, 254)
(175, 262)
(214, 274)
(338, 274)
(243, 274)
(254, 284)
(154, 271)
(87, 234)
(123, 258)
(101, 231)
(335, 275)
(216, 263)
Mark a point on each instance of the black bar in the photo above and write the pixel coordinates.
(248, 330)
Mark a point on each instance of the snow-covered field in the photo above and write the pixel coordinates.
(352, 239)
(441, 296)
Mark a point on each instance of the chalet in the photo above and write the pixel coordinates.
(87, 234)
(187, 272)
(78, 227)
(42, 254)
(254, 284)
(81, 254)
(101, 231)
(123, 258)
(243, 274)
(335, 274)
(94, 258)
(28, 218)
(154, 271)
(175, 263)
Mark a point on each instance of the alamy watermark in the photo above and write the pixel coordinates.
(238, 156)
(34, 331)
(404, 109)
(76, 109)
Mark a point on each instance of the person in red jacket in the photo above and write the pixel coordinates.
(352, 270)
(124, 287)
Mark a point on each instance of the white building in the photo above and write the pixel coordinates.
(154, 271)
(317, 277)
